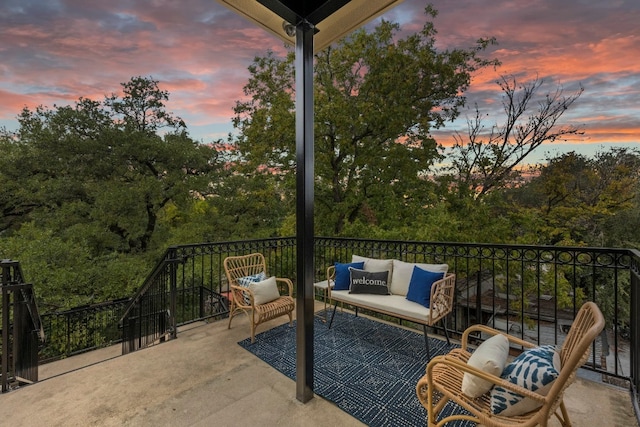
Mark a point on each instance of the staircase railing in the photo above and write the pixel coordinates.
(21, 328)
(150, 315)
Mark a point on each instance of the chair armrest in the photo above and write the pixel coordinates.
(491, 331)
(454, 364)
(331, 278)
(238, 295)
(289, 284)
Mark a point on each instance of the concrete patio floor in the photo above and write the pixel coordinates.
(204, 378)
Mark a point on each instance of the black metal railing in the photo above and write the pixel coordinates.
(189, 285)
(150, 315)
(529, 291)
(81, 329)
(20, 328)
(634, 327)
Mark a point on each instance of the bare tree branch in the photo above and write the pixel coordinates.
(487, 159)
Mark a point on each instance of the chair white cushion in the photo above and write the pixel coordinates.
(402, 272)
(535, 369)
(491, 357)
(265, 291)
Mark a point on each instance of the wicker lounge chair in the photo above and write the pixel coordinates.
(244, 299)
(443, 381)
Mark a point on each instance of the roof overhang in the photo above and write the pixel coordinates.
(332, 19)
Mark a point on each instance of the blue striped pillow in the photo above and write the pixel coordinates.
(246, 281)
(535, 369)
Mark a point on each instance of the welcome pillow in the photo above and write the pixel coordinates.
(368, 282)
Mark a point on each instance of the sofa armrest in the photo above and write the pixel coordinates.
(441, 301)
(331, 278)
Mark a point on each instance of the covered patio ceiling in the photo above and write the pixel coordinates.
(332, 19)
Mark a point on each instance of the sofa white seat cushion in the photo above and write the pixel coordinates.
(397, 305)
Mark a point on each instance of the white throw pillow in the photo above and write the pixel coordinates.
(491, 357)
(265, 291)
(402, 272)
(375, 265)
(248, 280)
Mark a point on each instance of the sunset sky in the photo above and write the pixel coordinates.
(56, 51)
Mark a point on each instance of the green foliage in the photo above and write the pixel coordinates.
(83, 188)
(100, 171)
(580, 200)
(376, 99)
(66, 274)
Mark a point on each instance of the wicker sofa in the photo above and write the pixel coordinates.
(395, 303)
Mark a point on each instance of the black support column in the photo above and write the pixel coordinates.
(304, 211)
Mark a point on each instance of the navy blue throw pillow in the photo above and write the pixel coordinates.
(342, 275)
(420, 285)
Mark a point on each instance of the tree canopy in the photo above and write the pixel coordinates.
(99, 171)
(96, 176)
(377, 97)
(484, 160)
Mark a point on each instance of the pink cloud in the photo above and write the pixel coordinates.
(56, 52)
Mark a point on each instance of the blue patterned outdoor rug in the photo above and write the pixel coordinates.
(369, 369)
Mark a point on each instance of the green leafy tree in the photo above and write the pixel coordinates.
(101, 172)
(377, 97)
(579, 200)
(95, 179)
